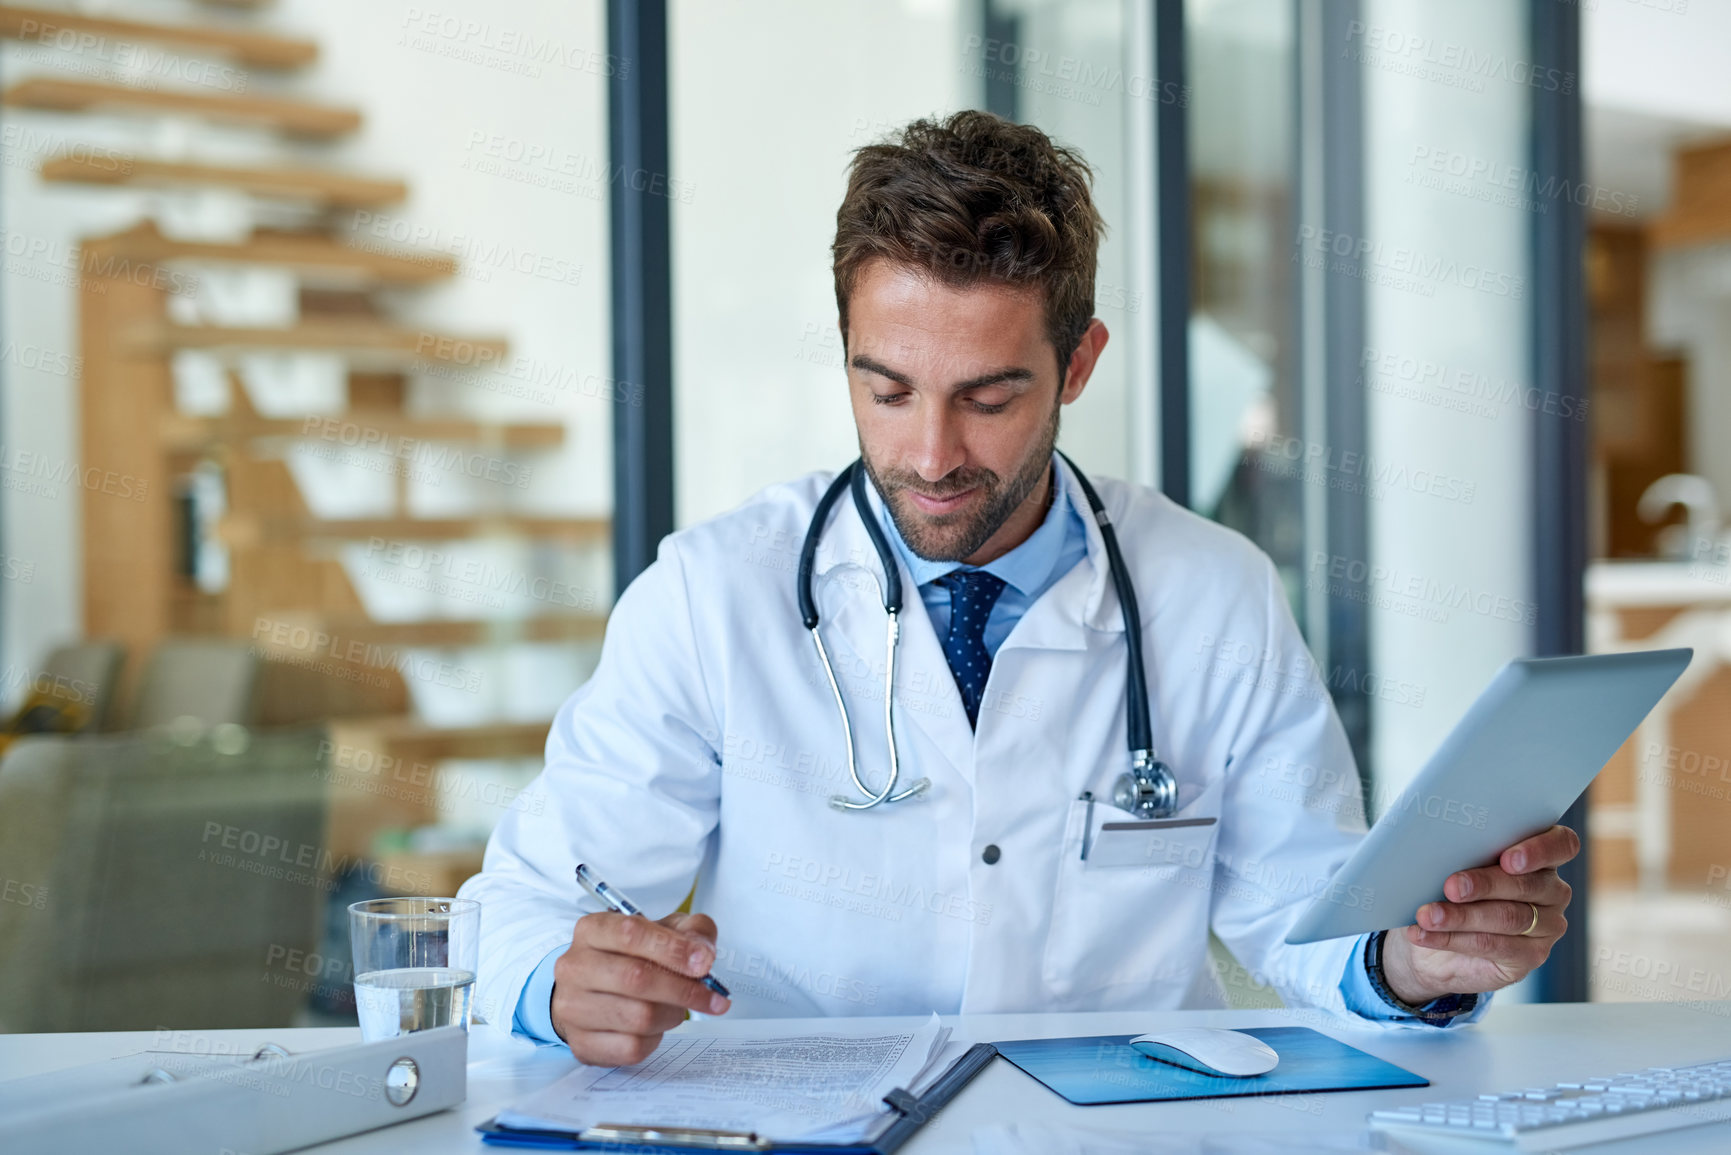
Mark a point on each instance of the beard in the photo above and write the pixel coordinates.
(958, 536)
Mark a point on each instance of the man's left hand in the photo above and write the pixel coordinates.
(1498, 924)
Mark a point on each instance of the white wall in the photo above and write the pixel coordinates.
(1431, 670)
(1652, 77)
(1662, 58)
(769, 98)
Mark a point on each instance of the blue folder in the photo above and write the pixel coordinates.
(1098, 1069)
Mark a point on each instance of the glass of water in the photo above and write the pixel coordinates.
(414, 963)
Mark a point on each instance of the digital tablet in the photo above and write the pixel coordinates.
(1509, 769)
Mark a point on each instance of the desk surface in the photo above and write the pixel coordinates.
(1514, 1047)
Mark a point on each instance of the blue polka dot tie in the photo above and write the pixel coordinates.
(973, 593)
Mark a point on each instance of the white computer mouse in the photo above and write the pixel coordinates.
(1209, 1051)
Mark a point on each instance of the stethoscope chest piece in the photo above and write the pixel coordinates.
(1149, 790)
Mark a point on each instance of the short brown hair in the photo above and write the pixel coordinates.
(975, 198)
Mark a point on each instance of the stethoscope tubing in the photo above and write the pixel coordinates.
(1138, 725)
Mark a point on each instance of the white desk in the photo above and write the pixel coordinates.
(1516, 1046)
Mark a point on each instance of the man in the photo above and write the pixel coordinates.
(707, 746)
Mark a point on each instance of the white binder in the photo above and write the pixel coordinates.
(181, 1102)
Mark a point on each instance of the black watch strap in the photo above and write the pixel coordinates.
(1436, 1012)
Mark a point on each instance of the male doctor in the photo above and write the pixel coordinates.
(707, 747)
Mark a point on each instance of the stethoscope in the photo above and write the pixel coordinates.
(1149, 790)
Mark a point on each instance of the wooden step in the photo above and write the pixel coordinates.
(310, 186)
(245, 530)
(378, 392)
(410, 741)
(1700, 212)
(326, 303)
(312, 255)
(384, 772)
(358, 429)
(441, 632)
(290, 117)
(260, 49)
(366, 340)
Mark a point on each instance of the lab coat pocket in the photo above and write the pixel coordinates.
(1135, 909)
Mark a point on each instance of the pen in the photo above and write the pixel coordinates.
(616, 901)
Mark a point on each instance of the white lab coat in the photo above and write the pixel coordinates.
(707, 744)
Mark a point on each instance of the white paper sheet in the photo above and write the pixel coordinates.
(782, 1086)
(867, 1126)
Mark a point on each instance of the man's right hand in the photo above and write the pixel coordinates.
(626, 981)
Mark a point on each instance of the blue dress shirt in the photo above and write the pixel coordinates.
(1057, 544)
(1029, 570)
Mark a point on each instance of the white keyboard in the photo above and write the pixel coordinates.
(1572, 1114)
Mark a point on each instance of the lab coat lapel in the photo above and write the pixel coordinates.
(1082, 600)
(848, 586)
(1040, 710)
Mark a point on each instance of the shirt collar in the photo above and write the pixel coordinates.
(1026, 567)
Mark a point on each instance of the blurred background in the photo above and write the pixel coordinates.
(352, 357)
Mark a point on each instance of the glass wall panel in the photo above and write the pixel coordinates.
(1444, 263)
(1083, 71)
(1658, 128)
(306, 485)
(1327, 345)
(1245, 405)
(761, 393)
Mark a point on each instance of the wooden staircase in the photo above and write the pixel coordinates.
(285, 582)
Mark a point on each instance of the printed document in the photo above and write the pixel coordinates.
(785, 1087)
